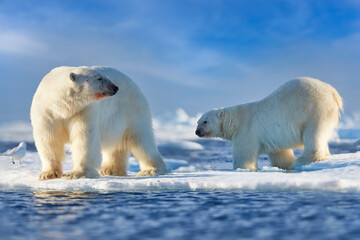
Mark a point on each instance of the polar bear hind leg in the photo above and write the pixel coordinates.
(282, 158)
(142, 145)
(114, 162)
(315, 138)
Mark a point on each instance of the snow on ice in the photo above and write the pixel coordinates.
(340, 172)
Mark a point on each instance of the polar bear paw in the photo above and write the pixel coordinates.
(80, 174)
(112, 172)
(150, 173)
(299, 163)
(46, 175)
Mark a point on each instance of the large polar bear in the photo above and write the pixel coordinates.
(302, 113)
(95, 109)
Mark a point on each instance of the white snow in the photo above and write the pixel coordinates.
(182, 145)
(338, 173)
(341, 172)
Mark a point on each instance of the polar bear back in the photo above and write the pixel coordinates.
(282, 116)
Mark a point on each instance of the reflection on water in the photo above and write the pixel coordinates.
(62, 203)
(179, 215)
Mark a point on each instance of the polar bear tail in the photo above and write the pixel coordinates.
(338, 100)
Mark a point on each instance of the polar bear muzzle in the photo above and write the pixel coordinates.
(110, 90)
(199, 132)
(202, 133)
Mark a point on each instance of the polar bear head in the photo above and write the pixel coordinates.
(88, 84)
(66, 91)
(209, 125)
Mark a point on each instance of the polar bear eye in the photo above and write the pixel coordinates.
(205, 122)
(99, 79)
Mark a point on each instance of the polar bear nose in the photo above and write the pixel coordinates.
(111, 90)
(115, 89)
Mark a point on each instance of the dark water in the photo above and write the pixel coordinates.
(179, 215)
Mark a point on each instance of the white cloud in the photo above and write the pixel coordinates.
(167, 53)
(20, 43)
(351, 121)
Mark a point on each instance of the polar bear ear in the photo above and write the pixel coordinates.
(72, 76)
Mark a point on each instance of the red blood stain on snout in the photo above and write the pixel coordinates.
(201, 133)
(100, 96)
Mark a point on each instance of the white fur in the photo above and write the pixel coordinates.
(66, 111)
(302, 113)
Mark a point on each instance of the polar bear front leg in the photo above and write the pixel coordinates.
(52, 154)
(85, 147)
(245, 155)
(49, 142)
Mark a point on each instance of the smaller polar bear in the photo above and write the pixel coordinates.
(95, 109)
(302, 113)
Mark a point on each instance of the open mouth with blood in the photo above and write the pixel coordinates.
(201, 133)
(102, 95)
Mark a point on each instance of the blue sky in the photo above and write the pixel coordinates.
(196, 55)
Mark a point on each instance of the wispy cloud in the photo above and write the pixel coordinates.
(20, 43)
(191, 54)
